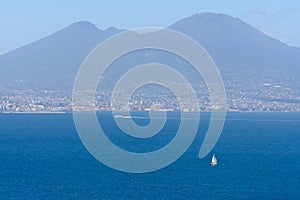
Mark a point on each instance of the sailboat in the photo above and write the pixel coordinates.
(214, 161)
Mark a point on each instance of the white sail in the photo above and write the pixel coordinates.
(213, 160)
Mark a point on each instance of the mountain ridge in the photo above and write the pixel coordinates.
(233, 44)
(230, 39)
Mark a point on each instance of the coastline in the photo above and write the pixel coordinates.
(40, 112)
(122, 112)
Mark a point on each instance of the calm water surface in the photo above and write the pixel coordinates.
(42, 157)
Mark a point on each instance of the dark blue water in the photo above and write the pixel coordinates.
(41, 157)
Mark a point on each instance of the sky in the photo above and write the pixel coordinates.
(22, 22)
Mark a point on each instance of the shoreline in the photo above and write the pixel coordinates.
(41, 112)
(69, 112)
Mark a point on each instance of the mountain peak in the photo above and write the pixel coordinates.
(209, 15)
(112, 30)
(83, 25)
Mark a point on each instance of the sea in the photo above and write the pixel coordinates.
(42, 157)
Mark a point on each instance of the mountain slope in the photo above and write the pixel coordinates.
(52, 62)
(234, 44)
(55, 58)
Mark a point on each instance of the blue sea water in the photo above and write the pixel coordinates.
(42, 157)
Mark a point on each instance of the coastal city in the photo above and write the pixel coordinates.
(243, 95)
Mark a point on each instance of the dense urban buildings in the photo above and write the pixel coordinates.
(242, 95)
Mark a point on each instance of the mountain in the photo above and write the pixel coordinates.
(234, 44)
(53, 61)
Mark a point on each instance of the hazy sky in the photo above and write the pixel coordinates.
(25, 21)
